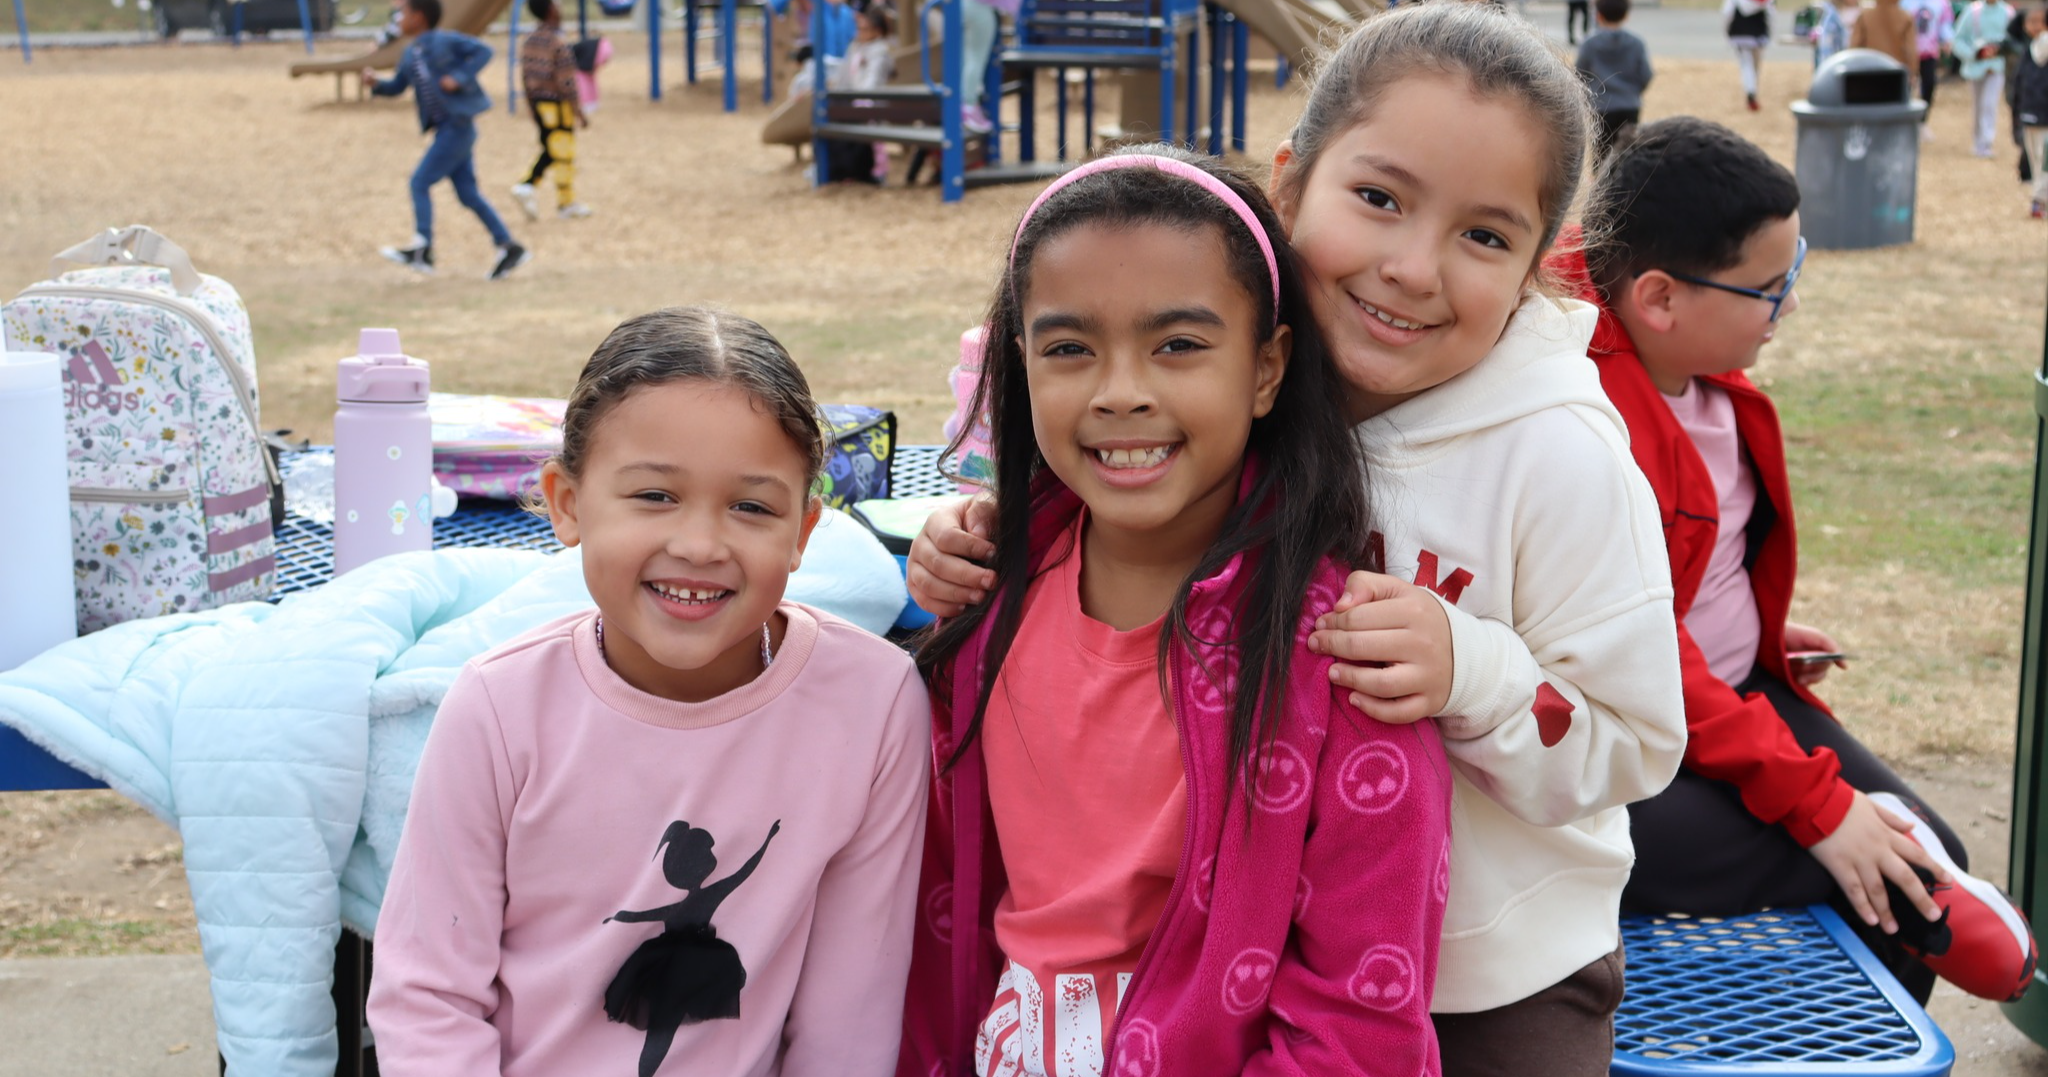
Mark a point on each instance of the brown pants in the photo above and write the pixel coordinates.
(1564, 1030)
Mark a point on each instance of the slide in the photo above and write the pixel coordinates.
(790, 123)
(472, 17)
(1298, 28)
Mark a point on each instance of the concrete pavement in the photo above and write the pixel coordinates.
(148, 1016)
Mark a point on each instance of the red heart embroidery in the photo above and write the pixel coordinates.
(1553, 715)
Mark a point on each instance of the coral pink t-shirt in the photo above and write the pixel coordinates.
(1090, 805)
(1723, 619)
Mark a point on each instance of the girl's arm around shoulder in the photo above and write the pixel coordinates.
(847, 1014)
(1577, 706)
(439, 931)
(1351, 993)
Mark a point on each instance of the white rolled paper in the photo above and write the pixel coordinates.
(38, 605)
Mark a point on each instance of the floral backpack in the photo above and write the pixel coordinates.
(170, 478)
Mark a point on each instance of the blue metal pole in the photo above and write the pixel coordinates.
(820, 172)
(21, 25)
(1216, 20)
(1192, 72)
(1060, 79)
(729, 17)
(953, 154)
(582, 20)
(767, 55)
(1280, 72)
(992, 92)
(690, 42)
(1168, 87)
(1240, 79)
(235, 26)
(654, 49)
(512, 64)
(1087, 112)
(1027, 117)
(306, 21)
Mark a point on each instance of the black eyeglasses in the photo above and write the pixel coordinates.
(1776, 300)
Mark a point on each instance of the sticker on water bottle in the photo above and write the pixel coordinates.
(424, 508)
(393, 452)
(398, 517)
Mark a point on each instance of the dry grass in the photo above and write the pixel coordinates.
(1904, 377)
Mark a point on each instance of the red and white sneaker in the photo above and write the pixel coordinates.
(1981, 944)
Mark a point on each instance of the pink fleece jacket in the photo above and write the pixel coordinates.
(1299, 939)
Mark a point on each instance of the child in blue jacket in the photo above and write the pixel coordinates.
(441, 66)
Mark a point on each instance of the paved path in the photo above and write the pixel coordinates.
(134, 1016)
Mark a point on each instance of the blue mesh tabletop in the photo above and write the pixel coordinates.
(915, 472)
(1785, 992)
(305, 548)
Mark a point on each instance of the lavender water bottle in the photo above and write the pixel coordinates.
(383, 454)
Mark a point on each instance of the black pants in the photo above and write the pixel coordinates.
(1699, 851)
(1613, 124)
(1930, 73)
(1578, 19)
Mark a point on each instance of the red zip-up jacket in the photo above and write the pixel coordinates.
(1732, 738)
(1299, 941)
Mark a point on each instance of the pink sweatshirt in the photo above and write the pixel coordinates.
(1301, 940)
(553, 795)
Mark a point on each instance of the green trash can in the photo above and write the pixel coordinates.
(2029, 879)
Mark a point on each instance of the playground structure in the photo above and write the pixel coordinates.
(472, 17)
(1153, 46)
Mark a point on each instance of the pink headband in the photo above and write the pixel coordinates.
(1172, 167)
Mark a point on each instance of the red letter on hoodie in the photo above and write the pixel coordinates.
(1451, 588)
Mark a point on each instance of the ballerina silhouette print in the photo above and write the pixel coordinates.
(686, 974)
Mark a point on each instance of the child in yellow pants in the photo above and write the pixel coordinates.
(549, 68)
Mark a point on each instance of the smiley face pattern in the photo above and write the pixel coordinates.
(1385, 979)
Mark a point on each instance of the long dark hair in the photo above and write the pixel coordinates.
(1307, 501)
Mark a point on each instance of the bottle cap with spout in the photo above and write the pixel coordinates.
(380, 372)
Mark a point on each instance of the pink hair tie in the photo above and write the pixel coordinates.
(1171, 167)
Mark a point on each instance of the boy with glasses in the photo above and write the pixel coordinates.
(1778, 804)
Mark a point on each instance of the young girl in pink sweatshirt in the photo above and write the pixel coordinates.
(677, 833)
(1162, 842)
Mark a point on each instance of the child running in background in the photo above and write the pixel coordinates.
(2030, 105)
(1979, 43)
(1832, 34)
(548, 67)
(559, 903)
(1934, 25)
(1163, 842)
(1526, 602)
(1778, 804)
(1616, 64)
(1748, 24)
(440, 67)
(1888, 28)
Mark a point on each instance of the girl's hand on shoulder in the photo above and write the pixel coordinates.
(1392, 642)
(942, 574)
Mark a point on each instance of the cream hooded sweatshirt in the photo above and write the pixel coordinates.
(1510, 493)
